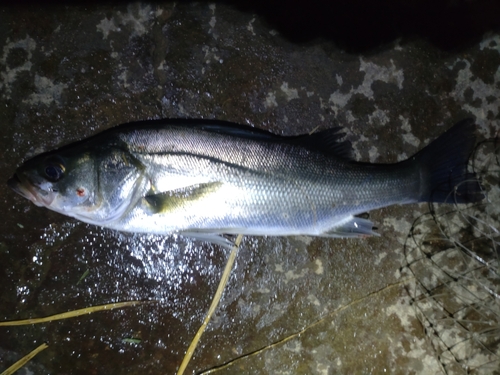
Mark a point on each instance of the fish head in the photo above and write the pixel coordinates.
(92, 184)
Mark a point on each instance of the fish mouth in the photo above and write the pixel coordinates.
(28, 190)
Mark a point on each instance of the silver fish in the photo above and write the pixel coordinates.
(206, 178)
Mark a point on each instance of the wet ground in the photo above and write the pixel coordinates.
(295, 305)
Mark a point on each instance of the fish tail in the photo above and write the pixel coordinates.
(443, 167)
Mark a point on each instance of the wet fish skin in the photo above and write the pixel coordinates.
(204, 178)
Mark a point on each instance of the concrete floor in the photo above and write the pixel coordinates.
(295, 305)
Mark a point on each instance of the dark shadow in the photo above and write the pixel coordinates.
(361, 25)
(354, 25)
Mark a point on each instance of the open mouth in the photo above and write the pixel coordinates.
(29, 191)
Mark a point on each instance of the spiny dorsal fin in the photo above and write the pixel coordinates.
(327, 141)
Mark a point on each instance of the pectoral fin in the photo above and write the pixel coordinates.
(352, 227)
(174, 199)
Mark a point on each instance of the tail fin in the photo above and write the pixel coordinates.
(443, 165)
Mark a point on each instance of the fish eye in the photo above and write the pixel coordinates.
(54, 171)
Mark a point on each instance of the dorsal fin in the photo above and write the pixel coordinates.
(237, 130)
(327, 141)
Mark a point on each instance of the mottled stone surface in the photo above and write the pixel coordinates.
(292, 305)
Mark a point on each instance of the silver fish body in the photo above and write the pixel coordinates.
(205, 178)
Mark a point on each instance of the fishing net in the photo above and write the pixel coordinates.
(453, 254)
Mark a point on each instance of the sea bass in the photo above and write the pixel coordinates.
(205, 178)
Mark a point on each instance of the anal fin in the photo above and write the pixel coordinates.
(351, 227)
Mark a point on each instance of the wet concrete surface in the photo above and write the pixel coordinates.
(295, 305)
